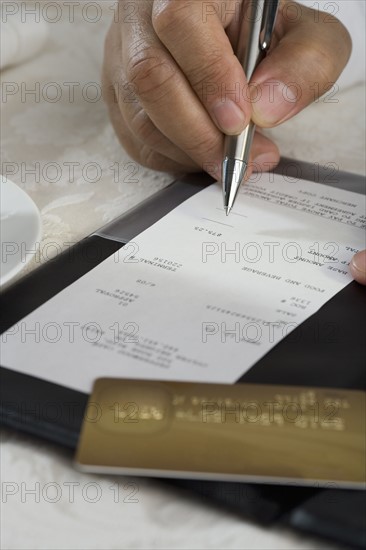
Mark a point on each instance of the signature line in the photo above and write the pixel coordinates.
(208, 219)
(232, 213)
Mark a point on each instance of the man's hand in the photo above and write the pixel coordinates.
(174, 86)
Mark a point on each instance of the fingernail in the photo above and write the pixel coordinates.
(229, 117)
(272, 101)
(358, 263)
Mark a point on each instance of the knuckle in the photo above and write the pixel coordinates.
(208, 143)
(150, 158)
(214, 69)
(169, 18)
(323, 61)
(109, 89)
(150, 72)
(142, 126)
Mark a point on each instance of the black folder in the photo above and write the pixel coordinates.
(327, 350)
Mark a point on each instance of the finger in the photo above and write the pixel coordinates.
(145, 131)
(166, 95)
(264, 154)
(132, 124)
(139, 151)
(311, 51)
(358, 267)
(193, 32)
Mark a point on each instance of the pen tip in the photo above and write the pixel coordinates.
(233, 175)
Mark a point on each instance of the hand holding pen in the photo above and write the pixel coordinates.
(174, 86)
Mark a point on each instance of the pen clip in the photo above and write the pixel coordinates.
(268, 23)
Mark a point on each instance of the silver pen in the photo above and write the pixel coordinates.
(253, 44)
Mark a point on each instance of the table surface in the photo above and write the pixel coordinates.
(83, 179)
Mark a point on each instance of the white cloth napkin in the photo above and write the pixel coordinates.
(21, 37)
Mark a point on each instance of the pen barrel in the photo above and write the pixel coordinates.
(258, 20)
(239, 148)
(249, 50)
(250, 53)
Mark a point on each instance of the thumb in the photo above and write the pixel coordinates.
(312, 49)
(358, 267)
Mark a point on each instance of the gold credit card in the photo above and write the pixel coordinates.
(241, 432)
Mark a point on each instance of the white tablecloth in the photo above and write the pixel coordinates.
(69, 144)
